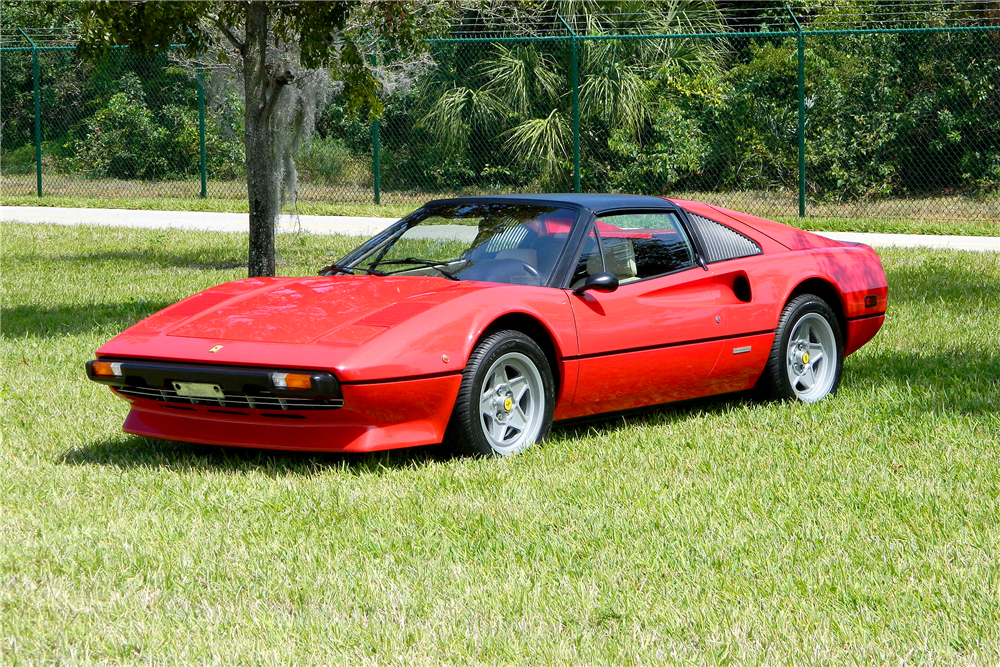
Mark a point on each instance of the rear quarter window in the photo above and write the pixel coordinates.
(720, 242)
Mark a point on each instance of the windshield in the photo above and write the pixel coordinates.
(510, 243)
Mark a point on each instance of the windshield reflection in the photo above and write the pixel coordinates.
(509, 243)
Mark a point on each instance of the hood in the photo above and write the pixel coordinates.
(361, 328)
(300, 310)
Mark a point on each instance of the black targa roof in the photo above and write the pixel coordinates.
(598, 203)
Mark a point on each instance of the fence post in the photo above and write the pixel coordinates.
(802, 116)
(201, 132)
(376, 150)
(38, 114)
(575, 73)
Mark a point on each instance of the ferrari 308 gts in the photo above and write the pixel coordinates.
(479, 321)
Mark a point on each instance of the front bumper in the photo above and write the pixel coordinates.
(355, 417)
(241, 384)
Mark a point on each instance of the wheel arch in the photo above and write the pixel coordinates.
(827, 291)
(535, 329)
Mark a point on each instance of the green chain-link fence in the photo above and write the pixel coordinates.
(898, 123)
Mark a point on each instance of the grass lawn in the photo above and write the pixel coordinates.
(927, 220)
(864, 529)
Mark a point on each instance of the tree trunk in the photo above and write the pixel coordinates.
(262, 186)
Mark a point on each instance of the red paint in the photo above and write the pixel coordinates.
(652, 341)
(861, 331)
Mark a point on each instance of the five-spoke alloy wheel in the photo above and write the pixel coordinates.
(507, 396)
(807, 356)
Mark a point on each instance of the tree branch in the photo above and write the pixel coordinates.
(233, 39)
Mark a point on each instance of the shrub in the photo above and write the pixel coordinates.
(123, 139)
(674, 148)
(19, 161)
(430, 167)
(329, 161)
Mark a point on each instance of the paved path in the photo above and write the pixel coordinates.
(980, 243)
(336, 224)
(198, 220)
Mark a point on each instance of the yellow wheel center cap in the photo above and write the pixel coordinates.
(508, 404)
(805, 357)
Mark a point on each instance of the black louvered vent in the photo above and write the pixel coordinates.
(246, 401)
(721, 242)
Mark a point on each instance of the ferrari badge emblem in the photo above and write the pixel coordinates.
(215, 349)
(508, 404)
(805, 357)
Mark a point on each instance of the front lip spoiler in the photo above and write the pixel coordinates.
(232, 379)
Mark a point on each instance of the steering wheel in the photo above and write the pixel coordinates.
(528, 268)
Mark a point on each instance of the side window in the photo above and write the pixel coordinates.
(642, 245)
(589, 262)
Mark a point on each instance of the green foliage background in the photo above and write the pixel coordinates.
(899, 115)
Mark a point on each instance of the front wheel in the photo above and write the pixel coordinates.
(506, 399)
(807, 356)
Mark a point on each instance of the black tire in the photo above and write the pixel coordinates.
(775, 383)
(466, 431)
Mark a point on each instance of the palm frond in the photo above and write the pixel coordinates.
(542, 140)
(525, 77)
(446, 118)
(453, 115)
(616, 94)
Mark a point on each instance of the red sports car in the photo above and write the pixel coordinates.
(478, 321)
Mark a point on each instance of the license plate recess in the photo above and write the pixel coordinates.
(198, 390)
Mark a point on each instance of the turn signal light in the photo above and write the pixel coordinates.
(107, 368)
(291, 380)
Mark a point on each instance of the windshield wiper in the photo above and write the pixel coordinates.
(348, 270)
(430, 264)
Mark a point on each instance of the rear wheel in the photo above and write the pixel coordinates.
(807, 356)
(506, 399)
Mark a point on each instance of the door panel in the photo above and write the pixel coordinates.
(642, 340)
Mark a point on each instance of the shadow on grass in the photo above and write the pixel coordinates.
(205, 260)
(961, 283)
(957, 381)
(664, 413)
(961, 379)
(138, 452)
(38, 320)
(132, 451)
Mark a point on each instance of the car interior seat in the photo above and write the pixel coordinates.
(619, 259)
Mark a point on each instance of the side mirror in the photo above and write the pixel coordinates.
(601, 282)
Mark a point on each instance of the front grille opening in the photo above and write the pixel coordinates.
(247, 401)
